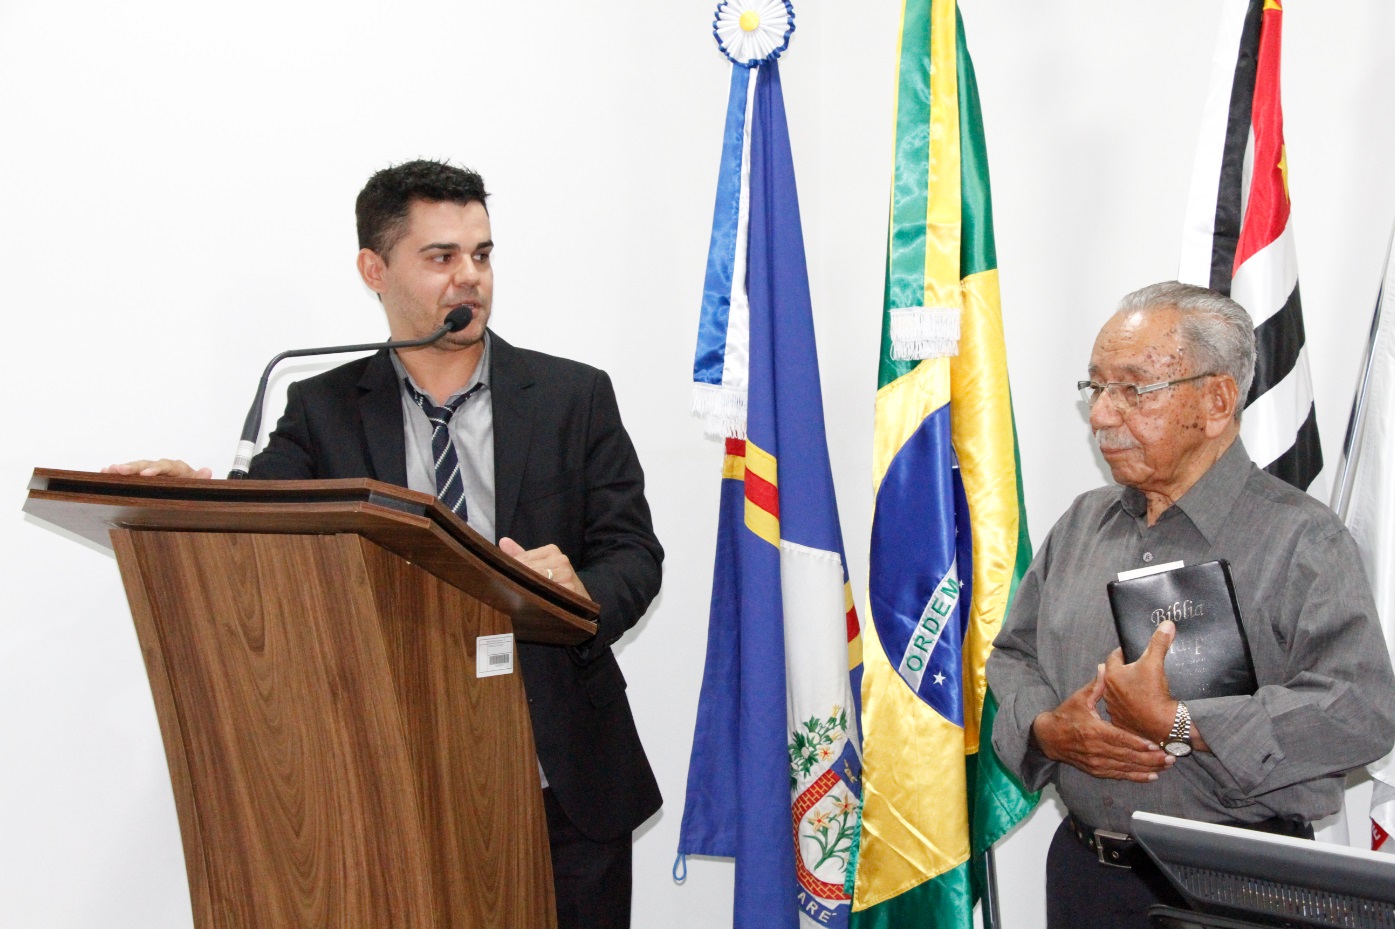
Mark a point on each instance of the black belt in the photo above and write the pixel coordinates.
(1120, 850)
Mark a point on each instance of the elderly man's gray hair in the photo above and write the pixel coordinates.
(1214, 328)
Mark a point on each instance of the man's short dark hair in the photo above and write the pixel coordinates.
(386, 199)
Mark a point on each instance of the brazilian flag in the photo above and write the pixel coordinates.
(949, 535)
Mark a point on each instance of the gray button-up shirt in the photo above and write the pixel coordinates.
(1326, 701)
(472, 434)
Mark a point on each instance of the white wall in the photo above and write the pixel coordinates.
(176, 187)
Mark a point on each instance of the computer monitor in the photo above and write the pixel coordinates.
(1268, 879)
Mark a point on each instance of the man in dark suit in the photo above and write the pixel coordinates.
(530, 450)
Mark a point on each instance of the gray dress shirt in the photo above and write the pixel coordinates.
(472, 434)
(1326, 701)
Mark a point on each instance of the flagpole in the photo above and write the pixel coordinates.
(991, 907)
(1341, 494)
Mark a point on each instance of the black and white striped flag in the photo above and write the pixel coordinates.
(1238, 238)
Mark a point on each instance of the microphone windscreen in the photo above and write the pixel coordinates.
(459, 318)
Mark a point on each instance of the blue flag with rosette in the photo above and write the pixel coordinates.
(775, 776)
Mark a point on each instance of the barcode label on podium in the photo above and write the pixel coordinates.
(494, 655)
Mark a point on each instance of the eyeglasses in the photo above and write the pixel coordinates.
(1125, 396)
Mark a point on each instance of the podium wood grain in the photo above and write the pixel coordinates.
(328, 735)
(311, 649)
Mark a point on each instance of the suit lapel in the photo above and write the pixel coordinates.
(380, 407)
(510, 380)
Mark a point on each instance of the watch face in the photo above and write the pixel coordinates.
(1178, 748)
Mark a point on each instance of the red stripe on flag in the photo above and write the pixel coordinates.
(1378, 836)
(736, 447)
(1266, 213)
(853, 628)
(762, 493)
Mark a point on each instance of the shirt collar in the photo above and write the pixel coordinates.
(1206, 503)
(480, 377)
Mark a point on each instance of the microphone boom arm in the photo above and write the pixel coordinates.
(252, 427)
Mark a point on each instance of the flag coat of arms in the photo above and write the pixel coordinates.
(949, 536)
(775, 775)
(1239, 240)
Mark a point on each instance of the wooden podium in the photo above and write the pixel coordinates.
(312, 650)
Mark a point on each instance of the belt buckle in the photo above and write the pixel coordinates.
(1111, 847)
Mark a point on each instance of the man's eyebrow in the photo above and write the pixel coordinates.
(453, 247)
(1128, 370)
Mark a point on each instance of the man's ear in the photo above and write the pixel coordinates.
(371, 267)
(1221, 402)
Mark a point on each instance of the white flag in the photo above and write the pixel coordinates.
(1365, 498)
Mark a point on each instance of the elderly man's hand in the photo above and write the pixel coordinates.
(1137, 695)
(1075, 733)
(163, 467)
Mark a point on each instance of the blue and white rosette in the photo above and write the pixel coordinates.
(749, 33)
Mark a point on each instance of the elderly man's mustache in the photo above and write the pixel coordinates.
(1114, 439)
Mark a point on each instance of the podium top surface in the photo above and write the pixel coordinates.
(415, 526)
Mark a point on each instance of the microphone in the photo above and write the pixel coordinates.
(456, 319)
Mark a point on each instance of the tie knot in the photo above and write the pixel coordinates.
(440, 415)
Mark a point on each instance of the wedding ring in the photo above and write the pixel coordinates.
(549, 574)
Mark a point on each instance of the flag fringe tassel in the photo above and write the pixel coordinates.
(722, 408)
(924, 332)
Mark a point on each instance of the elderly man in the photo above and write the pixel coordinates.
(1167, 378)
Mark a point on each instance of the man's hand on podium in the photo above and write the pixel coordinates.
(163, 467)
(547, 561)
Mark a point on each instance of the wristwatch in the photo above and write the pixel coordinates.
(1179, 741)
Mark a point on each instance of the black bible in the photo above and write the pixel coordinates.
(1210, 656)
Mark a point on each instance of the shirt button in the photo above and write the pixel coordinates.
(1147, 556)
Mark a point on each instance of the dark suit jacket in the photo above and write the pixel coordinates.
(565, 472)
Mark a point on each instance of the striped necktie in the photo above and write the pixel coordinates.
(450, 485)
